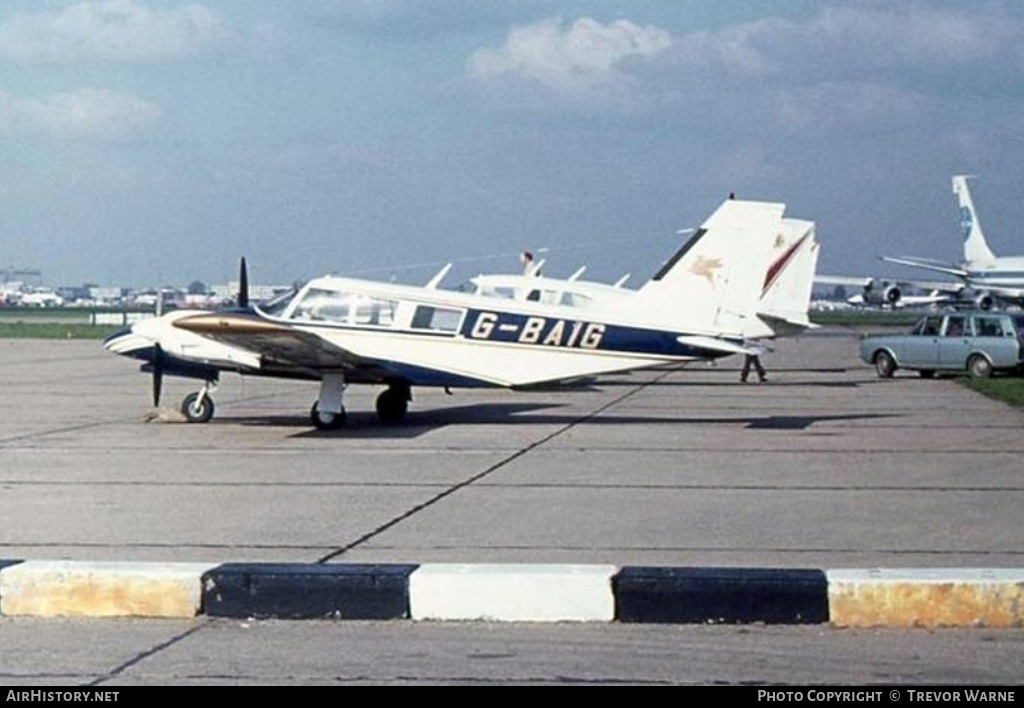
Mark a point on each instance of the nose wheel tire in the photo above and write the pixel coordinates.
(323, 420)
(197, 408)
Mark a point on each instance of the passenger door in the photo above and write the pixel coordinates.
(920, 349)
(955, 343)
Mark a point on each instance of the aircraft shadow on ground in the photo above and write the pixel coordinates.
(365, 425)
(715, 376)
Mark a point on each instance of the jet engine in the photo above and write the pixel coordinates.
(887, 294)
(984, 301)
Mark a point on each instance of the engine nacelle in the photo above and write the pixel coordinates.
(984, 301)
(886, 295)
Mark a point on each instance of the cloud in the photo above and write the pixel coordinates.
(889, 61)
(108, 30)
(920, 33)
(87, 112)
(585, 55)
(858, 42)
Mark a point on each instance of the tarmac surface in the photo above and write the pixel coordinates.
(823, 466)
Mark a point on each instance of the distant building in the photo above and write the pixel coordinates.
(229, 292)
(27, 276)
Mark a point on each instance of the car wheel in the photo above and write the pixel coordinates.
(979, 367)
(885, 365)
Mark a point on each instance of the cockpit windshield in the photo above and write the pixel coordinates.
(276, 306)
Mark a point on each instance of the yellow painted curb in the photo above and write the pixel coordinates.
(926, 598)
(103, 589)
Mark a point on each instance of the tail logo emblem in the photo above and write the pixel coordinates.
(966, 221)
(705, 267)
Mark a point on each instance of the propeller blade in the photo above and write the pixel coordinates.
(158, 374)
(243, 285)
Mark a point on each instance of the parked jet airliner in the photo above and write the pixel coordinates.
(985, 279)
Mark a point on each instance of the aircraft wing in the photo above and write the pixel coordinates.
(280, 347)
(893, 292)
(858, 281)
(926, 264)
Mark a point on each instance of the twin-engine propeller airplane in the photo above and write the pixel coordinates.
(702, 304)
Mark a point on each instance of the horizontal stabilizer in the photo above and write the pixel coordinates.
(788, 325)
(715, 344)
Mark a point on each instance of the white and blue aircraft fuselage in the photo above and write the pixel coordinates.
(702, 304)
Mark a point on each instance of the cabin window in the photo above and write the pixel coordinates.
(374, 311)
(574, 300)
(441, 319)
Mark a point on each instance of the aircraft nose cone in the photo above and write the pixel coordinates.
(127, 342)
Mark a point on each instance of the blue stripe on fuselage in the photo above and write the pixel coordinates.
(537, 330)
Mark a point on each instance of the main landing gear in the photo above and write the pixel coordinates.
(328, 411)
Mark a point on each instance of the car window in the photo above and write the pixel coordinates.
(930, 327)
(955, 326)
(989, 326)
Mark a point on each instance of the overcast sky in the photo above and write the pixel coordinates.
(157, 142)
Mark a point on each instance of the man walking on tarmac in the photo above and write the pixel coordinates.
(753, 360)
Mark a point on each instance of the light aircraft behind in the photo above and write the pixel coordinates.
(702, 304)
(782, 307)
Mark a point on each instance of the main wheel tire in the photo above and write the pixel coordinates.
(326, 421)
(885, 365)
(392, 405)
(196, 408)
(979, 367)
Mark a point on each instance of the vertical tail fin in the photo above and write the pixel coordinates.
(714, 281)
(786, 296)
(975, 246)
